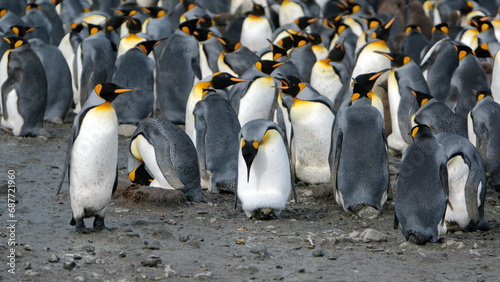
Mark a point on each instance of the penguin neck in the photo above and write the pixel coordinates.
(106, 106)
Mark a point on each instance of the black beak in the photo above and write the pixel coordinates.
(249, 152)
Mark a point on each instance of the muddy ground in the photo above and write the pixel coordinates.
(313, 240)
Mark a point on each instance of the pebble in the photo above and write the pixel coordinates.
(260, 251)
(155, 245)
(28, 248)
(368, 212)
(474, 253)
(27, 266)
(88, 248)
(207, 275)
(53, 258)
(69, 265)
(169, 272)
(151, 262)
(452, 244)
(122, 254)
(372, 235)
(79, 279)
(318, 253)
(184, 239)
(31, 273)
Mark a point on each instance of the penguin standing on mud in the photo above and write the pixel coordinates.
(217, 128)
(360, 173)
(91, 159)
(422, 188)
(23, 89)
(264, 173)
(165, 151)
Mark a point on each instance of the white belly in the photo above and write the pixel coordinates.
(458, 172)
(257, 101)
(395, 140)
(4, 73)
(256, 33)
(14, 121)
(269, 184)
(325, 80)
(93, 163)
(310, 147)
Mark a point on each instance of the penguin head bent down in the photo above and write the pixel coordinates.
(109, 91)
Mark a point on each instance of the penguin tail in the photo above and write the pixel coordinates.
(418, 238)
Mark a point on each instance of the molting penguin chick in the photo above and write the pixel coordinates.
(91, 159)
(264, 173)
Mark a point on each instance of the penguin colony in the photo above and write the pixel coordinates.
(269, 94)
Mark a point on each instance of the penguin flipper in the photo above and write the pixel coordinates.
(443, 172)
(75, 130)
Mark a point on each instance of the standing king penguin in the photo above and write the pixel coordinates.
(91, 159)
(264, 173)
(360, 173)
(422, 188)
(23, 89)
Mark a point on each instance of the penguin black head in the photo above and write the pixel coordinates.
(363, 84)
(189, 26)
(147, 46)
(134, 25)
(188, 4)
(337, 53)
(412, 27)
(16, 41)
(222, 80)
(228, 44)
(286, 43)
(422, 98)
(304, 22)
(462, 51)
(267, 66)
(341, 27)
(155, 12)
(93, 29)
(115, 21)
(421, 130)
(372, 22)
(482, 94)
(291, 84)
(383, 31)
(278, 52)
(76, 27)
(202, 34)
(21, 30)
(140, 175)
(397, 59)
(205, 22)
(32, 6)
(441, 28)
(483, 51)
(315, 38)
(258, 10)
(109, 91)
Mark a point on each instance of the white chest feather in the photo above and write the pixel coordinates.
(257, 101)
(325, 80)
(458, 172)
(255, 33)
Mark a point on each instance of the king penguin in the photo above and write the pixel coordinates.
(135, 69)
(360, 173)
(311, 116)
(219, 81)
(466, 181)
(256, 97)
(169, 157)
(217, 130)
(402, 103)
(264, 173)
(256, 29)
(23, 89)
(235, 58)
(422, 188)
(485, 133)
(91, 159)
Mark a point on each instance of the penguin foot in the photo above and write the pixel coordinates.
(80, 226)
(264, 214)
(99, 224)
(194, 195)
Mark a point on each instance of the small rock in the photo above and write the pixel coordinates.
(260, 250)
(77, 257)
(475, 246)
(367, 212)
(169, 272)
(28, 248)
(53, 258)
(354, 234)
(212, 220)
(122, 254)
(31, 273)
(155, 245)
(207, 275)
(88, 248)
(371, 235)
(308, 193)
(79, 279)
(99, 261)
(474, 253)
(69, 265)
(241, 241)
(318, 253)
(27, 266)
(184, 239)
(151, 262)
